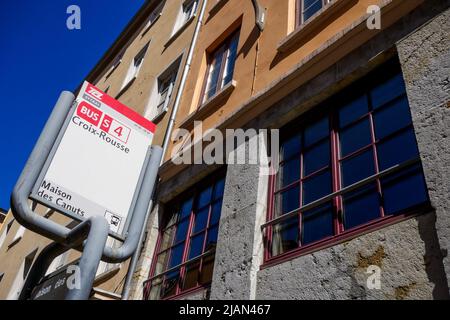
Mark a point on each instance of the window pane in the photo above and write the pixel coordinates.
(155, 291)
(216, 209)
(186, 208)
(191, 276)
(170, 284)
(352, 111)
(357, 168)
(285, 236)
(388, 90)
(196, 248)
(181, 231)
(207, 270)
(317, 224)
(167, 238)
(404, 190)
(289, 172)
(231, 60)
(392, 118)
(355, 137)
(316, 187)
(201, 219)
(211, 240)
(205, 197)
(287, 201)
(317, 157)
(398, 149)
(361, 206)
(161, 262)
(176, 255)
(316, 132)
(213, 76)
(218, 189)
(310, 11)
(290, 148)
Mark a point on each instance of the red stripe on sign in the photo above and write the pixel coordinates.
(121, 108)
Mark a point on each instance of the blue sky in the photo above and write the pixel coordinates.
(39, 58)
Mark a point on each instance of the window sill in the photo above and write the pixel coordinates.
(179, 31)
(209, 105)
(105, 276)
(317, 21)
(147, 28)
(125, 87)
(345, 237)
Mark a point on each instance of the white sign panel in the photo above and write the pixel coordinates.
(97, 165)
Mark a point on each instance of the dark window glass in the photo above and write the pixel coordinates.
(290, 148)
(310, 7)
(211, 240)
(204, 197)
(186, 208)
(317, 187)
(355, 137)
(290, 172)
(317, 224)
(170, 284)
(215, 212)
(201, 219)
(352, 111)
(357, 168)
(397, 149)
(392, 118)
(289, 200)
(191, 277)
(177, 255)
(316, 132)
(182, 231)
(404, 190)
(196, 245)
(361, 206)
(316, 158)
(218, 189)
(388, 90)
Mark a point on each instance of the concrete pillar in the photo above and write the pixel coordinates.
(425, 59)
(239, 251)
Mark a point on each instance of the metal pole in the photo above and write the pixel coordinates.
(90, 259)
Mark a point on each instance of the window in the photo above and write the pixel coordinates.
(308, 8)
(184, 257)
(364, 150)
(156, 13)
(165, 89)
(19, 235)
(221, 66)
(135, 66)
(21, 275)
(5, 232)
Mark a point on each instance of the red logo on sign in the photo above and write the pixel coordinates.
(106, 123)
(89, 113)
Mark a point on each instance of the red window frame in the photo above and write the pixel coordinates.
(225, 48)
(339, 234)
(207, 255)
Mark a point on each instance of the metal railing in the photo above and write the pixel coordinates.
(347, 189)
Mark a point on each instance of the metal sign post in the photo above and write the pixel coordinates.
(85, 149)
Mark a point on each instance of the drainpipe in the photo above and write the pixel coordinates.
(260, 15)
(135, 258)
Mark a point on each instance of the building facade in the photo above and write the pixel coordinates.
(353, 96)
(358, 208)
